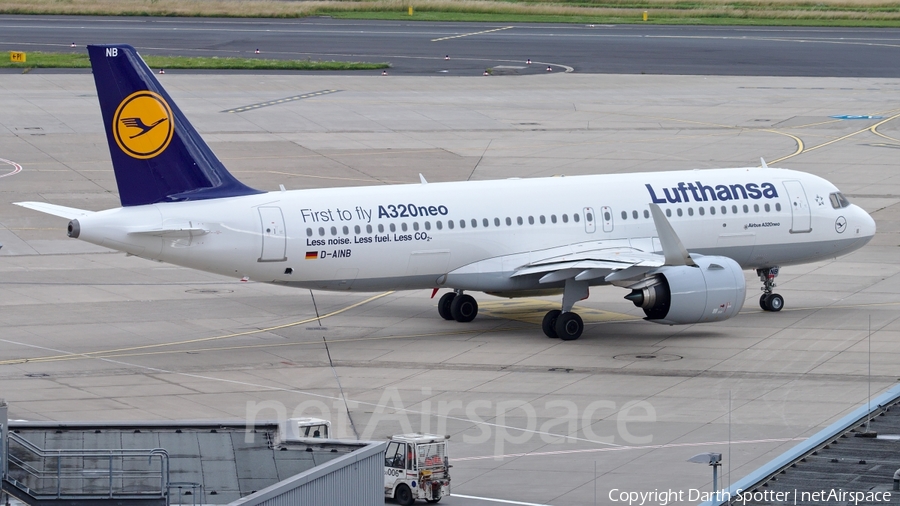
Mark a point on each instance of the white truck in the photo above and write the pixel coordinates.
(299, 429)
(416, 466)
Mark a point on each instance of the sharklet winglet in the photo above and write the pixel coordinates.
(672, 247)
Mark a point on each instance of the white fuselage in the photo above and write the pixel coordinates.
(474, 235)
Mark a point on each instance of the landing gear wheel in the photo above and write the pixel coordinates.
(569, 326)
(769, 301)
(444, 305)
(464, 308)
(549, 323)
(403, 495)
(774, 302)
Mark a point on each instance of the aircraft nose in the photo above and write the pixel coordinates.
(864, 224)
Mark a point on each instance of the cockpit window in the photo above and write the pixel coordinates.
(838, 200)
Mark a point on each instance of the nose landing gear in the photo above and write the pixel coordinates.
(769, 301)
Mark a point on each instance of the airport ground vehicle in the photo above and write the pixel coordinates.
(416, 466)
(297, 429)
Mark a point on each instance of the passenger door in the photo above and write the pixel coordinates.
(801, 219)
(274, 238)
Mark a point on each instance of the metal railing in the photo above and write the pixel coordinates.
(94, 473)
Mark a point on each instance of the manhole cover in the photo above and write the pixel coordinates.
(644, 357)
(207, 291)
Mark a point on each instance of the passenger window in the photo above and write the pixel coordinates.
(624, 215)
(668, 213)
(346, 230)
(531, 220)
(701, 210)
(746, 209)
(680, 212)
(565, 218)
(380, 228)
(416, 226)
(427, 225)
(755, 208)
(496, 222)
(690, 211)
(439, 224)
(607, 216)
(485, 222)
(576, 217)
(634, 214)
(544, 219)
(767, 208)
(724, 210)
(356, 229)
(552, 218)
(474, 223)
(321, 231)
(508, 221)
(450, 224)
(778, 206)
(403, 226)
(333, 230)
(368, 229)
(462, 223)
(393, 227)
(646, 214)
(712, 209)
(519, 220)
(309, 232)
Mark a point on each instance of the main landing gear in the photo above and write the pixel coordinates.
(769, 301)
(564, 324)
(458, 306)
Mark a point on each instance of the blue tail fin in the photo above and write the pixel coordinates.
(156, 153)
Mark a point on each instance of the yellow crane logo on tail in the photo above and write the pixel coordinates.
(142, 125)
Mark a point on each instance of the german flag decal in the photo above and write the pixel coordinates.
(312, 255)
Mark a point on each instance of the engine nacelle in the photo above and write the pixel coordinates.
(713, 291)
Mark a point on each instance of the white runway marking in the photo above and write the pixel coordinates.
(16, 167)
(504, 501)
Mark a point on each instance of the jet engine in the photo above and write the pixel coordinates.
(712, 291)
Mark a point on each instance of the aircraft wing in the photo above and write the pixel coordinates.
(61, 211)
(615, 264)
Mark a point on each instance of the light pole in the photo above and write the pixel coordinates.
(714, 460)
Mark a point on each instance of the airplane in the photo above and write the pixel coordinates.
(678, 241)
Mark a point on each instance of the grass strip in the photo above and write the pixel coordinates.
(871, 13)
(38, 59)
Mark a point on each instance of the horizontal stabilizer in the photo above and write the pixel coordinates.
(61, 211)
(186, 231)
